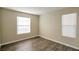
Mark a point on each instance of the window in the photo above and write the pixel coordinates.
(69, 25)
(23, 25)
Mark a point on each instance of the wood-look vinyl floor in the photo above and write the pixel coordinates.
(36, 44)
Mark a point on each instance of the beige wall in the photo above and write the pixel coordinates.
(0, 26)
(9, 25)
(50, 26)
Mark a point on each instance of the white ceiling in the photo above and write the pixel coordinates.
(36, 10)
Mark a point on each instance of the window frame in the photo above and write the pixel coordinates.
(75, 24)
(24, 25)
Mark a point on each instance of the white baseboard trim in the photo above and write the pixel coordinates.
(42, 37)
(59, 42)
(17, 40)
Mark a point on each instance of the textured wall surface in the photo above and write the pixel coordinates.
(9, 23)
(50, 26)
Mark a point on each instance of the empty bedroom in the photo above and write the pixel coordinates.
(39, 28)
